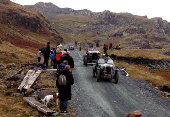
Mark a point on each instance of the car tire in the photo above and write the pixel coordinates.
(116, 77)
(93, 73)
(85, 61)
(98, 76)
(112, 79)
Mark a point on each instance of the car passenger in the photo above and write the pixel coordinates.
(101, 60)
(110, 61)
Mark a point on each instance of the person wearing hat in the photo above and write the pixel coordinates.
(57, 57)
(66, 56)
(47, 54)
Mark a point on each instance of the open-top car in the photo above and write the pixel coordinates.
(91, 56)
(71, 48)
(106, 71)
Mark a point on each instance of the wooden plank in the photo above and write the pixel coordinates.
(23, 83)
(38, 105)
(51, 70)
(31, 79)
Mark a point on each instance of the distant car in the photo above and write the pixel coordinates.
(91, 56)
(106, 71)
(71, 48)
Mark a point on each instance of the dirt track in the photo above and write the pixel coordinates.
(106, 99)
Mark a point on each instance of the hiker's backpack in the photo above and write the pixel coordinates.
(43, 50)
(53, 57)
(62, 80)
(106, 47)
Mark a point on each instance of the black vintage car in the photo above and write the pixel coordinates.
(71, 48)
(91, 56)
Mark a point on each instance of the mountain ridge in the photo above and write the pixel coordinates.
(136, 31)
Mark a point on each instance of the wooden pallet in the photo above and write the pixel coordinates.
(28, 80)
(40, 107)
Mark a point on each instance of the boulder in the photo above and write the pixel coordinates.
(11, 76)
(1, 75)
(1, 65)
(43, 66)
(18, 77)
(24, 64)
(165, 88)
(12, 66)
(30, 67)
(14, 56)
(0, 41)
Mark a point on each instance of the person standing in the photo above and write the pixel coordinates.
(47, 54)
(75, 43)
(105, 48)
(53, 59)
(39, 55)
(57, 57)
(97, 44)
(67, 57)
(65, 90)
(91, 45)
(80, 47)
(110, 46)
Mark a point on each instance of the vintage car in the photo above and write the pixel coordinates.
(106, 71)
(91, 56)
(71, 48)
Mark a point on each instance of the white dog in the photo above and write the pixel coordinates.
(47, 98)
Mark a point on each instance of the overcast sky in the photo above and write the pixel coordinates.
(151, 8)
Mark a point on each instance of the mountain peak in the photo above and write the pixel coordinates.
(49, 4)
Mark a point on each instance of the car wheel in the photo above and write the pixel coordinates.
(93, 73)
(85, 61)
(98, 76)
(112, 79)
(116, 77)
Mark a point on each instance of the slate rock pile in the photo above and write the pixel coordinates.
(148, 63)
(17, 74)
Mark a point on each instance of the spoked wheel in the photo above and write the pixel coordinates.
(112, 79)
(98, 76)
(85, 61)
(116, 77)
(93, 73)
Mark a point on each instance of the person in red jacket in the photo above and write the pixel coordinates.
(57, 57)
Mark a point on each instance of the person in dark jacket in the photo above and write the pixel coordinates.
(47, 54)
(67, 57)
(105, 48)
(97, 44)
(110, 46)
(65, 90)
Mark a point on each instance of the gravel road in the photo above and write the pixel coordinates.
(106, 99)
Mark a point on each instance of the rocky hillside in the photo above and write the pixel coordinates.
(23, 28)
(132, 24)
(131, 31)
(50, 8)
(21, 20)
